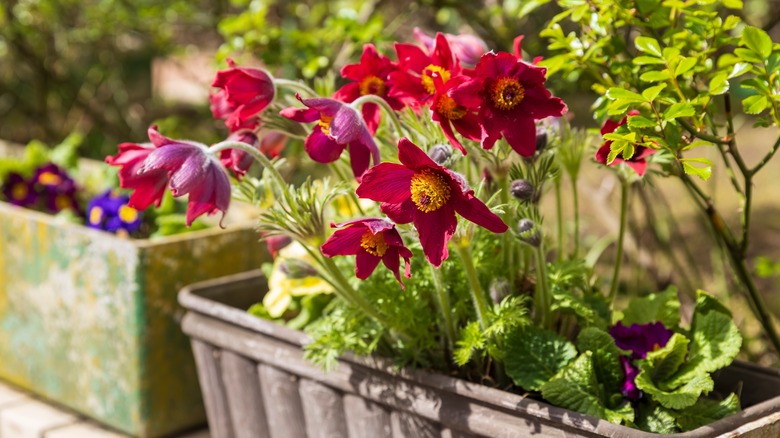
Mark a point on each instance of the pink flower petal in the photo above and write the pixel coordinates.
(365, 264)
(386, 182)
(345, 241)
(322, 148)
(435, 229)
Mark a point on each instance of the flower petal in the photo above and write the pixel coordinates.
(413, 157)
(322, 148)
(345, 241)
(402, 213)
(474, 210)
(365, 264)
(386, 182)
(435, 229)
(521, 136)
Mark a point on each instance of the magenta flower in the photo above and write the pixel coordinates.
(371, 241)
(237, 160)
(340, 126)
(55, 187)
(467, 48)
(244, 93)
(640, 339)
(638, 161)
(422, 192)
(629, 388)
(414, 83)
(185, 166)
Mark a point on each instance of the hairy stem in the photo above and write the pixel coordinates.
(294, 85)
(370, 98)
(443, 302)
(477, 293)
(542, 297)
(624, 192)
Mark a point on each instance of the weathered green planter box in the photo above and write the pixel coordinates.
(91, 321)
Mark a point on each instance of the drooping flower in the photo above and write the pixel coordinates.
(55, 187)
(276, 244)
(640, 339)
(629, 388)
(244, 93)
(466, 47)
(509, 95)
(370, 76)
(272, 143)
(638, 161)
(339, 126)
(185, 166)
(371, 241)
(19, 191)
(414, 83)
(109, 211)
(237, 160)
(422, 192)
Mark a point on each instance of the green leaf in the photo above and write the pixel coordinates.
(572, 304)
(733, 4)
(685, 65)
(661, 306)
(617, 93)
(651, 93)
(706, 411)
(534, 355)
(656, 419)
(648, 60)
(640, 122)
(755, 104)
(606, 358)
(648, 45)
(655, 76)
(719, 84)
(739, 69)
(679, 398)
(757, 40)
(680, 109)
(471, 340)
(663, 363)
(748, 55)
(704, 172)
(706, 303)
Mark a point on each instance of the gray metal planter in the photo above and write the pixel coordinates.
(256, 383)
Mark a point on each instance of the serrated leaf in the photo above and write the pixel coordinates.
(655, 76)
(661, 306)
(702, 172)
(617, 93)
(719, 84)
(680, 109)
(685, 65)
(755, 104)
(648, 60)
(757, 40)
(706, 411)
(663, 363)
(606, 358)
(739, 69)
(472, 339)
(656, 419)
(651, 93)
(640, 122)
(648, 45)
(534, 355)
(680, 398)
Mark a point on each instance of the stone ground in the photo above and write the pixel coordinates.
(22, 415)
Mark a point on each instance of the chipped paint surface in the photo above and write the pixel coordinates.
(91, 321)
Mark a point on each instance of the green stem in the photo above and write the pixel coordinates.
(701, 135)
(508, 250)
(559, 214)
(477, 294)
(443, 302)
(624, 186)
(766, 158)
(295, 85)
(370, 98)
(576, 198)
(256, 154)
(542, 297)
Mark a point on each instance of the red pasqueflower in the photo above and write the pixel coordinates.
(371, 241)
(369, 77)
(414, 82)
(638, 161)
(420, 191)
(185, 166)
(509, 95)
(340, 126)
(449, 113)
(244, 93)
(237, 160)
(467, 48)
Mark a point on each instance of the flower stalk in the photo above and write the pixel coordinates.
(624, 194)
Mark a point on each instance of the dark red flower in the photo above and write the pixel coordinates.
(237, 160)
(467, 48)
(272, 143)
(371, 241)
(148, 187)
(420, 191)
(244, 93)
(640, 339)
(638, 161)
(449, 114)
(509, 95)
(369, 77)
(340, 126)
(414, 83)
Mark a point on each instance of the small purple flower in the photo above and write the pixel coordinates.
(19, 191)
(640, 339)
(56, 188)
(629, 388)
(109, 211)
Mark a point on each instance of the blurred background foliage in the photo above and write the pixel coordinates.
(85, 65)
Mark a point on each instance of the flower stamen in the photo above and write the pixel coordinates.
(127, 214)
(374, 244)
(506, 93)
(372, 85)
(431, 72)
(430, 191)
(447, 107)
(19, 191)
(49, 179)
(325, 123)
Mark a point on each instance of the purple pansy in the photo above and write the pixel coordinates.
(109, 211)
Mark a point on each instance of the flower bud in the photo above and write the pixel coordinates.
(522, 189)
(440, 153)
(294, 268)
(529, 233)
(499, 289)
(541, 138)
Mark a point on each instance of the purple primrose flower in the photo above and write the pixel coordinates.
(640, 339)
(19, 191)
(109, 211)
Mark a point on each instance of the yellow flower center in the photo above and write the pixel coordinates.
(95, 215)
(506, 93)
(430, 191)
(62, 202)
(431, 72)
(128, 214)
(49, 179)
(325, 123)
(19, 191)
(374, 244)
(372, 85)
(447, 107)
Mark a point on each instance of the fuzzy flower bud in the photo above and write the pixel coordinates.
(522, 189)
(440, 154)
(529, 233)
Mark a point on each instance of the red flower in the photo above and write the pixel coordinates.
(244, 93)
(638, 161)
(420, 191)
(449, 114)
(415, 80)
(340, 125)
(509, 95)
(235, 159)
(467, 48)
(369, 77)
(148, 187)
(371, 240)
